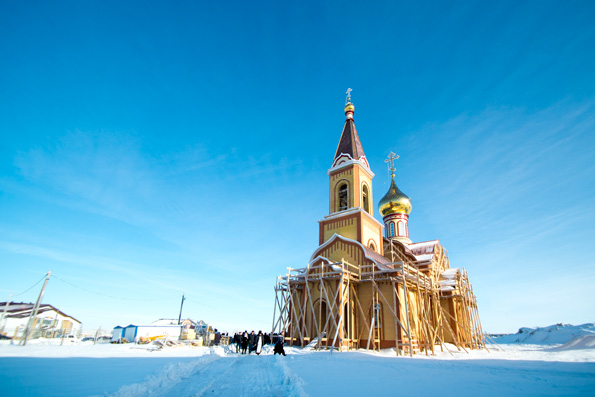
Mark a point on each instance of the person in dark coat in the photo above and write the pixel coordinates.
(252, 342)
(244, 342)
(278, 349)
(237, 340)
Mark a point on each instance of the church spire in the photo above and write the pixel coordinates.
(350, 146)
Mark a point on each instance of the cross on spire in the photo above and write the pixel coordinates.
(391, 159)
(348, 99)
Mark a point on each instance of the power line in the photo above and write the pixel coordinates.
(106, 295)
(33, 286)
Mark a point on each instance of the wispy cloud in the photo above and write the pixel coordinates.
(509, 191)
(119, 272)
(109, 174)
(112, 175)
(504, 164)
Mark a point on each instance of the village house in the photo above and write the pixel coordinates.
(49, 322)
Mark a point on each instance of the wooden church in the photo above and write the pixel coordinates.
(368, 285)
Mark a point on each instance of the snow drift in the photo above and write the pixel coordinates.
(581, 342)
(562, 334)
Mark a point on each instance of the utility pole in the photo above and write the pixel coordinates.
(4, 314)
(181, 306)
(97, 335)
(35, 308)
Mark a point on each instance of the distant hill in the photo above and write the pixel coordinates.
(575, 336)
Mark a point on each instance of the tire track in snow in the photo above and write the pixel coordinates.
(214, 375)
(237, 375)
(169, 376)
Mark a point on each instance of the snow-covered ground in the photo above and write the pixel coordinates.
(83, 369)
(554, 334)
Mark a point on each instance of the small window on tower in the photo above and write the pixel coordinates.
(365, 199)
(392, 230)
(343, 199)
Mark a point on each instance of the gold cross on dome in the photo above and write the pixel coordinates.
(349, 94)
(391, 159)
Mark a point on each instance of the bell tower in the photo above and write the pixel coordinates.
(350, 191)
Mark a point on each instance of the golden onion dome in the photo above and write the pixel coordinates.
(349, 107)
(394, 201)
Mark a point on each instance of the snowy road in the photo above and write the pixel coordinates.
(355, 373)
(233, 375)
(130, 370)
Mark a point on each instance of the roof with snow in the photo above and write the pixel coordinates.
(448, 279)
(165, 321)
(23, 310)
(423, 251)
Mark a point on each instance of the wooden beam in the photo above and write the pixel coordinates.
(395, 317)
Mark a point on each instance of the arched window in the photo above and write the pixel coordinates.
(401, 229)
(323, 315)
(377, 315)
(346, 321)
(343, 197)
(392, 230)
(365, 199)
(372, 246)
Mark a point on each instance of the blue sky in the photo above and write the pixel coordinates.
(150, 149)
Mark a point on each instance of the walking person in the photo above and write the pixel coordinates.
(259, 342)
(252, 342)
(237, 340)
(279, 347)
(244, 342)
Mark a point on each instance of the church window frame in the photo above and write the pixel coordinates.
(342, 195)
(321, 313)
(400, 229)
(392, 229)
(377, 315)
(371, 245)
(366, 197)
(347, 322)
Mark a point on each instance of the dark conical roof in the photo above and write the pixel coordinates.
(350, 143)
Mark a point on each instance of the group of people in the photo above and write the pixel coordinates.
(252, 342)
